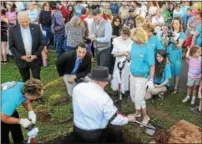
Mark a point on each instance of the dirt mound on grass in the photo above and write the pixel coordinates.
(42, 113)
(185, 132)
(57, 99)
(161, 136)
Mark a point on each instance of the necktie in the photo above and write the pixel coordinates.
(76, 66)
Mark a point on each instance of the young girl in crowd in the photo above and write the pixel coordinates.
(174, 51)
(142, 71)
(193, 57)
(139, 21)
(162, 75)
(121, 49)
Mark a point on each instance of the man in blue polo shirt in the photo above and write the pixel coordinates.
(13, 95)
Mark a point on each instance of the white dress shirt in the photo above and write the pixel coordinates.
(93, 108)
(27, 40)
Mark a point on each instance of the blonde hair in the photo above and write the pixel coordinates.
(194, 49)
(138, 35)
(140, 19)
(148, 27)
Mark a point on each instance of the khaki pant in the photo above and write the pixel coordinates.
(69, 86)
(138, 91)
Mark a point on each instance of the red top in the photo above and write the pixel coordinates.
(105, 16)
(65, 13)
(83, 17)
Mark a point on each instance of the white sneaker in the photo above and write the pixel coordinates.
(193, 100)
(186, 99)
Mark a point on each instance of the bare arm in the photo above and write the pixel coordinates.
(27, 106)
(196, 33)
(188, 53)
(152, 70)
(119, 54)
(9, 120)
(179, 44)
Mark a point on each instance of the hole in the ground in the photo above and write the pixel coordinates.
(113, 134)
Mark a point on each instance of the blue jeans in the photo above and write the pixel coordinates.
(48, 36)
(59, 44)
(69, 48)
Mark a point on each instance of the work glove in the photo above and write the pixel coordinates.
(150, 85)
(32, 116)
(25, 122)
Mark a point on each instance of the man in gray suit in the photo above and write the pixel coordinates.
(101, 35)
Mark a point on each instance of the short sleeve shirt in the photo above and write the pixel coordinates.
(11, 99)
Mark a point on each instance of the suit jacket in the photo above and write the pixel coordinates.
(17, 48)
(65, 64)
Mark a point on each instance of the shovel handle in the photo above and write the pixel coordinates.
(143, 124)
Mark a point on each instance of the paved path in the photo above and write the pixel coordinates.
(183, 77)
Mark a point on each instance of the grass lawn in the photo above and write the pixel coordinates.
(164, 113)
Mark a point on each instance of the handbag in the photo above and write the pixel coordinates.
(188, 41)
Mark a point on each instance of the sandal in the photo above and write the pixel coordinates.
(174, 92)
(145, 121)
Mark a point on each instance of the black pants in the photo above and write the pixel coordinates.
(25, 72)
(94, 136)
(15, 130)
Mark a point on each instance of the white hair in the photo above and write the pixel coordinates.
(75, 21)
(23, 14)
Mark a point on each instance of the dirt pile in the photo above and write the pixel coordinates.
(42, 113)
(161, 136)
(185, 132)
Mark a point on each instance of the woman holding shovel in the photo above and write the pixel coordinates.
(121, 50)
(142, 71)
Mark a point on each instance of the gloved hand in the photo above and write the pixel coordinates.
(25, 122)
(150, 85)
(32, 116)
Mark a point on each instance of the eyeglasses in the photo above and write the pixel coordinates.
(117, 20)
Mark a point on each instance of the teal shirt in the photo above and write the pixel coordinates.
(155, 43)
(142, 57)
(11, 99)
(166, 75)
(199, 37)
(174, 53)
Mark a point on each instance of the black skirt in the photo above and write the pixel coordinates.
(4, 38)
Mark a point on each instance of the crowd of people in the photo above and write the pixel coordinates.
(149, 40)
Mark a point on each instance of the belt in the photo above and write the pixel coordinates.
(88, 135)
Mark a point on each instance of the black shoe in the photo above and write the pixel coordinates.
(195, 110)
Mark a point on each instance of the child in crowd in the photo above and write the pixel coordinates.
(193, 57)
(162, 75)
(153, 40)
(121, 50)
(139, 21)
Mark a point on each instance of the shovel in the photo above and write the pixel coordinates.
(149, 129)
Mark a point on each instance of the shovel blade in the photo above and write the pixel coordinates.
(150, 131)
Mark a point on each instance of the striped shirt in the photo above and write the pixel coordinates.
(194, 67)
